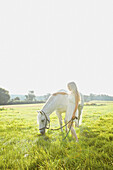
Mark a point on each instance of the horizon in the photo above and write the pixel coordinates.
(44, 46)
(51, 93)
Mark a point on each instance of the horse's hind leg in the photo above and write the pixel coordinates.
(80, 121)
(60, 119)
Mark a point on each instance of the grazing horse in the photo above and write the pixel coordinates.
(70, 103)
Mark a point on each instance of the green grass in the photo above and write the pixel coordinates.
(22, 147)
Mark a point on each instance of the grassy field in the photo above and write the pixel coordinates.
(22, 147)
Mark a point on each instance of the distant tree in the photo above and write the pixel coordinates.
(26, 96)
(98, 97)
(86, 98)
(4, 96)
(31, 96)
(16, 98)
(92, 96)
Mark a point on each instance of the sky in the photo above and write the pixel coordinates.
(46, 44)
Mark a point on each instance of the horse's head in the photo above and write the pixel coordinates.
(42, 120)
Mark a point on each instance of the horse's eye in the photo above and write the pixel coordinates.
(42, 120)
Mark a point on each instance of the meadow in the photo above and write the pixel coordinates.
(22, 147)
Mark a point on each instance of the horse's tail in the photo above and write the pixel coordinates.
(80, 108)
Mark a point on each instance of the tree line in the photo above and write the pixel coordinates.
(101, 97)
(5, 98)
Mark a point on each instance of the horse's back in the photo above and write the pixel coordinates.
(57, 101)
(61, 99)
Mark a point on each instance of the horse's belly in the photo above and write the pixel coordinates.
(62, 109)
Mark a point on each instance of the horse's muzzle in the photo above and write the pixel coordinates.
(42, 131)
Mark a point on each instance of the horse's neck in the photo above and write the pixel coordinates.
(50, 105)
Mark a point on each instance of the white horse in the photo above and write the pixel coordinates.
(61, 102)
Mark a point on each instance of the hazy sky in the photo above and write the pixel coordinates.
(46, 44)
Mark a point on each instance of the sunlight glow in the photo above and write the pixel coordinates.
(46, 44)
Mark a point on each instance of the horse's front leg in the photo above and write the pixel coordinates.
(66, 126)
(60, 119)
(73, 131)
